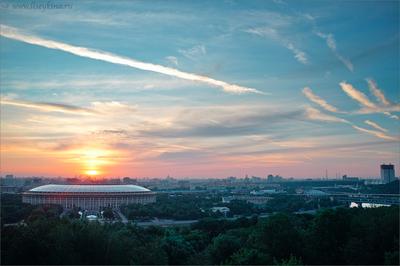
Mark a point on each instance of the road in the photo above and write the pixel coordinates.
(123, 218)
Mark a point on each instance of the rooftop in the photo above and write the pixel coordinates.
(89, 188)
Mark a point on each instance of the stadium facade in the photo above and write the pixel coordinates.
(89, 197)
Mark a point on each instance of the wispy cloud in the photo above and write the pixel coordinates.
(194, 52)
(367, 106)
(331, 43)
(375, 125)
(298, 54)
(314, 114)
(97, 108)
(272, 33)
(385, 103)
(112, 107)
(172, 59)
(49, 107)
(357, 95)
(375, 133)
(391, 115)
(378, 93)
(16, 34)
(318, 100)
(280, 2)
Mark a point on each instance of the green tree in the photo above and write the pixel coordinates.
(223, 247)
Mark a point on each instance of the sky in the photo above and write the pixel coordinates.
(199, 88)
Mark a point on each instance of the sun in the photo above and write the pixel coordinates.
(92, 172)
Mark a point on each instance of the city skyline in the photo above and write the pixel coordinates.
(214, 89)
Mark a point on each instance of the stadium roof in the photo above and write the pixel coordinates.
(89, 188)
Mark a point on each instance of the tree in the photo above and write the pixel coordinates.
(177, 249)
(280, 237)
(223, 247)
(108, 213)
(249, 256)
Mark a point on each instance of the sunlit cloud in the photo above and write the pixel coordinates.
(377, 92)
(367, 106)
(49, 107)
(112, 107)
(318, 100)
(391, 115)
(16, 34)
(314, 114)
(99, 82)
(385, 103)
(357, 95)
(375, 133)
(97, 108)
(375, 125)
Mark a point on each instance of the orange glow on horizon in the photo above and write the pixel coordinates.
(92, 160)
(92, 172)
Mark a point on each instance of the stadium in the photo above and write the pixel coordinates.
(89, 197)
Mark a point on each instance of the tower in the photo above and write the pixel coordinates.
(387, 173)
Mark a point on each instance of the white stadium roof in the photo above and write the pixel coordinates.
(89, 188)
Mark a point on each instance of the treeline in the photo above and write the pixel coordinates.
(185, 207)
(341, 236)
(12, 208)
(194, 206)
(389, 188)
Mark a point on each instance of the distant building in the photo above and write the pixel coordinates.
(348, 178)
(89, 197)
(387, 173)
(277, 178)
(315, 193)
(223, 210)
(9, 189)
(128, 180)
(250, 199)
(265, 191)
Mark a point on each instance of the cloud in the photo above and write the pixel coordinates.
(314, 114)
(298, 54)
(220, 123)
(375, 125)
(274, 34)
(378, 134)
(112, 107)
(103, 108)
(391, 115)
(194, 52)
(321, 102)
(172, 59)
(357, 95)
(385, 103)
(378, 93)
(16, 34)
(368, 106)
(49, 107)
(280, 2)
(331, 43)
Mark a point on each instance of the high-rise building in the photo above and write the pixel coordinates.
(387, 173)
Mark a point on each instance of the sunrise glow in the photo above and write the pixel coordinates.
(265, 88)
(92, 172)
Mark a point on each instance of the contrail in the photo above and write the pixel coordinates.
(16, 34)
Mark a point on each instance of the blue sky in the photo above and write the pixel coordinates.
(309, 86)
